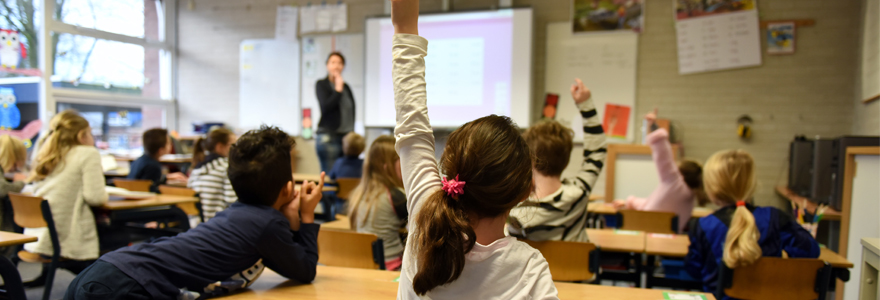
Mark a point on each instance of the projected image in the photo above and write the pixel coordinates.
(478, 64)
(605, 15)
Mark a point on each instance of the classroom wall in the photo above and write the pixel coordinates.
(867, 116)
(809, 93)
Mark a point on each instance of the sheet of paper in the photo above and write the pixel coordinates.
(323, 17)
(307, 19)
(286, 23)
(340, 17)
(718, 36)
(682, 296)
(616, 121)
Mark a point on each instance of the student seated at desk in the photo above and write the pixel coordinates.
(13, 156)
(349, 165)
(679, 185)
(559, 210)
(68, 174)
(271, 223)
(739, 233)
(147, 167)
(378, 203)
(457, 248)
(208, 177)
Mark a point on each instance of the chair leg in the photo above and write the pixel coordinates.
(50, 280)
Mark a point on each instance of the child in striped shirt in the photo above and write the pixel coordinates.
(558, 210)
(208, 177)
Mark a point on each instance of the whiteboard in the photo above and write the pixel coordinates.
(871, 51)
(863, 215)
(315, 49)
(605, 62)
(634, 175)
(268, 85)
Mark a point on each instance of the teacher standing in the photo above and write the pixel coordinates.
(337, 112)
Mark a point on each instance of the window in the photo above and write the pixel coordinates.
(119, 128)
(136, 18)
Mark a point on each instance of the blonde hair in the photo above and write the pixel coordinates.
(64, 133)
(729, 177)
(378, 177)
(12, 152)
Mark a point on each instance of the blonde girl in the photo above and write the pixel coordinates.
(457, 248)
(67, 172)
(13, 156)
(378, 204)
(740, 233)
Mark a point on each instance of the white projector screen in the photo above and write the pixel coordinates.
(478, 64)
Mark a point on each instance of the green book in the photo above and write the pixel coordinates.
(682, 296)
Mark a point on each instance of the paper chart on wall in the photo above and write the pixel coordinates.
(717, 36)
(286, 20)
(324, 18)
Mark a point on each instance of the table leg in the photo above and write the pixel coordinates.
(649, 270)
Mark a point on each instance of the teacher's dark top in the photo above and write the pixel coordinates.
(337, 108)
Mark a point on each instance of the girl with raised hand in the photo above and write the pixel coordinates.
(457, 248)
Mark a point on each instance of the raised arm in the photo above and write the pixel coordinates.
(661, 150)
(415, 138)
(594, 138)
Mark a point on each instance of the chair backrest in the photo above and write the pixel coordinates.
(345, 186)
(569, 261)
(133, 185)
(648, 221)
(776, 278)
(27, 211)
(342, 248)
(190, 208)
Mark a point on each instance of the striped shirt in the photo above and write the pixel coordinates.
(562, 215)
(211, 182)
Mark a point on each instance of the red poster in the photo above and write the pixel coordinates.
(616, 120)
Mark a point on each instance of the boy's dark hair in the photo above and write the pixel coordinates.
(154, 140)
(259, 165)
(338, 54)
(551, 142)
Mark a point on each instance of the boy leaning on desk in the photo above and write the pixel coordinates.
(271, 225)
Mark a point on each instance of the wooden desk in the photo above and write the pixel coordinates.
(12, 239)
(325, 189)
(593, 291)
(672, 245)
(341, 223)
(159, 200)
(300, 177)
(165, 159)
(834, 259)
(617, 240)
(116, 173)
(347, 283)
(603, 208)
(830, 213)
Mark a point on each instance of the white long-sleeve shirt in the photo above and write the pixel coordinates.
(504, 269)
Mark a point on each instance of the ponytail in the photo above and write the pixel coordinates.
(199, 151)
(65, 129)
(702, 198)
(741, 246)
(443, 238)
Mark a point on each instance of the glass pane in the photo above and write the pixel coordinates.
(94, 64)
(137, 18)
(119, 129)
(19, 34)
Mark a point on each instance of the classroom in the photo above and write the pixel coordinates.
(440, 149)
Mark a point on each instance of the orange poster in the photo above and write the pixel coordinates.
(616, 120)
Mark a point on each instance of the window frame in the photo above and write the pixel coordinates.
(50, 96)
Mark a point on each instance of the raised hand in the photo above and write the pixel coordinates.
(579, 92)
(310, 196)
(651, 116)
(405, 16)
(339, 82)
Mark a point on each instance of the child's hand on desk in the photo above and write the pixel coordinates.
(620, 204)
(310, 196)
(405, 16)
(19, 177)
(579, 92)
(177, 176)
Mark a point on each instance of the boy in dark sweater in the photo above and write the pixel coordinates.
(271, 222)
(156, 143)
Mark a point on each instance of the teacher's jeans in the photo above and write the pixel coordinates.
(329, 148)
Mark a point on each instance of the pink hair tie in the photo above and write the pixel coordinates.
(453, 188)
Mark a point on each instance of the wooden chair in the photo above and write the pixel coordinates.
(190, 208)
(648, 221)
(345, 186)
(569, 261)
(34, 212)
(133, 185)
(776, 278)
(345, 248)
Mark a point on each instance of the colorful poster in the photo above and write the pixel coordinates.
(780, 38)
(616, 120)
(686, 9)
(607, 15)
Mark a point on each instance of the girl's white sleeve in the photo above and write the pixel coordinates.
(415, 138)
(94, 191)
